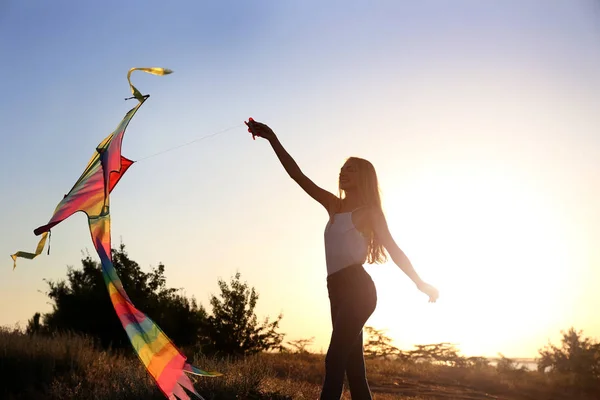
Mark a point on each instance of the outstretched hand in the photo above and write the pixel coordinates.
(429, 290)
(259, 129)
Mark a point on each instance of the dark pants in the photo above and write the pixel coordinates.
(353, 299)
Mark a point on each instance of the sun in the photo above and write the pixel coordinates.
(496, 248)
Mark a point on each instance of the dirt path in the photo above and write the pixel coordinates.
(422, 389)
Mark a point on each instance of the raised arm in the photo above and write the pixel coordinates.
(325, 198)
(383, 235)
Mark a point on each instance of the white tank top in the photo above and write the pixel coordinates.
(344, 244)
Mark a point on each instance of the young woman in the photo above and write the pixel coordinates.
(356, 233)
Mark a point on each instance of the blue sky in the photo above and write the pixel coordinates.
(480, 117)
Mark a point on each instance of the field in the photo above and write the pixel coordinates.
(70, 367)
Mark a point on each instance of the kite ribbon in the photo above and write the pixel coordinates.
(153, 70)
(28, 255)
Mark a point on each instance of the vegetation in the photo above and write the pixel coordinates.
(80, 304)
(68, 354)
(577, 360)
(70, 366)
(233, 328)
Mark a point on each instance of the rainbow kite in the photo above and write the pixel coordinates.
(90, 194)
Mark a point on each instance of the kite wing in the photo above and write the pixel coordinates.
(91, 195)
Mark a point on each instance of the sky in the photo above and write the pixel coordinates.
(481, 119)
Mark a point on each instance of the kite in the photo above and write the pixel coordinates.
(91, 195)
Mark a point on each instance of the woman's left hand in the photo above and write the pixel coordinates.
(429, 290)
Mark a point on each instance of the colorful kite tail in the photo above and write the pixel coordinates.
(91, 195)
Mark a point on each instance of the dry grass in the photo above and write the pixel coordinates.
(70, 367)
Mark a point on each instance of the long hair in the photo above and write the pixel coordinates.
(368, 190)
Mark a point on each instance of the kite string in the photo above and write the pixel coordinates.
(190, 142)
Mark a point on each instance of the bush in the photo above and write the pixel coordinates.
(577, 357)
(233, 328)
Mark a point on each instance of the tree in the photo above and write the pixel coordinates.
(477, 362)
(578, 356)
(379, 345)
(438, 353)
(299, 346)
(233, 328)
(505, 364)
(82, 304)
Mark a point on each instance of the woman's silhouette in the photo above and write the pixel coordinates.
(356, 233)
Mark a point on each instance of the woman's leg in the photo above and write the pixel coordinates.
(351, 306)
(357, 372)
(346, 330)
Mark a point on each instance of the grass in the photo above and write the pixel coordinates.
(71, 367)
